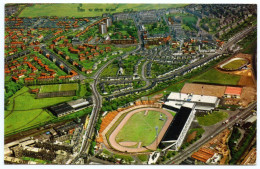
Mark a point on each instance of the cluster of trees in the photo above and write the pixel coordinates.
(42, 154)
(11, 88)
(113, 158)
(159, 69)
(167, 156)
(138, 84)
(123, 28)
(247, 42)
(158, 28)
(186, 144)
(129, 64)
(101, 9)
(53, 147)
(239, 28)
(237, 152)
(92, 148)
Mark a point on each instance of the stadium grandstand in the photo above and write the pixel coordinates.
(179, 127)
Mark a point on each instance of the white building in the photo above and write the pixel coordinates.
(102, 28)
(202, 102)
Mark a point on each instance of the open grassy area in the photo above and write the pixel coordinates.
(141, 128)
(87, 10)
(110, 70)
(19, 120)
(58, 87)
(23, 100)
(216, 77)
(125, 157)
(200, 131)
(143, 157)
(24, 111)
(234, 64)
(212, 118)
(36, 160)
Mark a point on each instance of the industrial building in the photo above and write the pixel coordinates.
(202, 102)
(66, 108)
(179, 127)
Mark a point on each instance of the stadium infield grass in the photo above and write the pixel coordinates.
(235, 64)
(141, 128)
(212, 118)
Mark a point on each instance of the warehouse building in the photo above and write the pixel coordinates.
(66, 108)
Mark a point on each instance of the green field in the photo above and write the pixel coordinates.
(212, 118)
(216, 77)
(58, 87)
(87, 10)
(143, 157)
(234, 64)
(200, 131)
(23, 111)
(140, 128)
(110, 70)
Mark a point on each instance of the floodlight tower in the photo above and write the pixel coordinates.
(156, 128)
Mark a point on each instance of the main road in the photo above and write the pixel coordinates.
(97, 104)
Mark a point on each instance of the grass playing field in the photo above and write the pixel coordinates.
(212, 118)
(234, 64)
(141, 128)
(24, 111)
(88, 10)
(214, 76)
(58, 87)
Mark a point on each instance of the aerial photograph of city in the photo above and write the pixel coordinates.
(129, 84)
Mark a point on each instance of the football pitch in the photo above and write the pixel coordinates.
(58, 87)
(141, 128)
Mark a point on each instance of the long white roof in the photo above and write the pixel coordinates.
(192, 98)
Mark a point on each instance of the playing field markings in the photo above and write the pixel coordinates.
(145, 121)
(146, 112)
(139, 144)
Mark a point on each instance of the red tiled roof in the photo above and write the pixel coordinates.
(233, 90)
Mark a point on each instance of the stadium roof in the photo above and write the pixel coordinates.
(192, 97)
(233, 90)
(177, 124)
